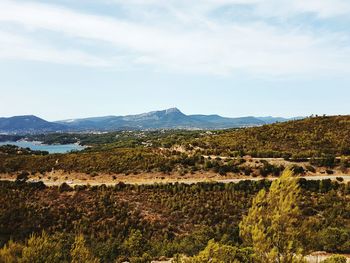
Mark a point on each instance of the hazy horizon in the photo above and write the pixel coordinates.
(74, 59)
(198, 113)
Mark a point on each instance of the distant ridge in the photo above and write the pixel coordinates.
(28, 124)
(171, 118)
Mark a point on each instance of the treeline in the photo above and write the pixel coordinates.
(120, 139)
(314, 136)
(119, 160)
(140, 160)
(130, 222)
(15, 150)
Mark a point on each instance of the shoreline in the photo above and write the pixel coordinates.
(77, 145)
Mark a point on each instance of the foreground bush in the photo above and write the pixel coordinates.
(44, 248)
(137, 223)
(218, 253)
(335, 259)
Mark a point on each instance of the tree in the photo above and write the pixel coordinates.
(80, 253)
(11, 252)
(271, 225)
(133, 245)
(41, 249)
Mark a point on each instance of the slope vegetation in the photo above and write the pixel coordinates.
(304, 138)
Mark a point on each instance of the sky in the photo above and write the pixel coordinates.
(62, 59)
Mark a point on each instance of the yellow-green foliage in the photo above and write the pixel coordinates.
(134, 243)
(80, 253)
(335, 259)
(38, 248)
(271, 225)
(11, 252)
(217, 253)
(42, 249)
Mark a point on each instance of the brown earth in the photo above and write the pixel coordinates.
(74, 178)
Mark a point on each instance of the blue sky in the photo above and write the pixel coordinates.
(64, 59)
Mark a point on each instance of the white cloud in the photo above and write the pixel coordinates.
(13, 46)
(273, 8)
(184, 39)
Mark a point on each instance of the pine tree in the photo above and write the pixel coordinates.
(133, 245)
(271, 226)
(11, 252)
(80, 253)
(42, 249)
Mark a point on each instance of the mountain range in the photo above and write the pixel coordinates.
(171, 118)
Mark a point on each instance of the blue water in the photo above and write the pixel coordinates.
(57, 148)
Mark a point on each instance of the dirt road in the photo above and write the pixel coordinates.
(163, 179)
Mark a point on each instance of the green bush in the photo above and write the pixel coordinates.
(335, 259)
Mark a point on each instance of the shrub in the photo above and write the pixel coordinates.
(335, 239)
(64, 187)
(310, 168)
(80, 253)
(335, 259)
(11, 252)
(215, 252)
(22, 177)
(42, 249)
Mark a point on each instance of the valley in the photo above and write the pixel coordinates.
(174, 131)
(174, 194)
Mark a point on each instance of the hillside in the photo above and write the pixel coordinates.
(184, 152)
(28, 124)
(124, 222)
(307, 137)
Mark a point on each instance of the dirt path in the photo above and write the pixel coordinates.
(79, 179)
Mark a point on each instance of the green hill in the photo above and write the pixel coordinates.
(312, 136)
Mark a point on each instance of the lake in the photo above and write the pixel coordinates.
(37, 146)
